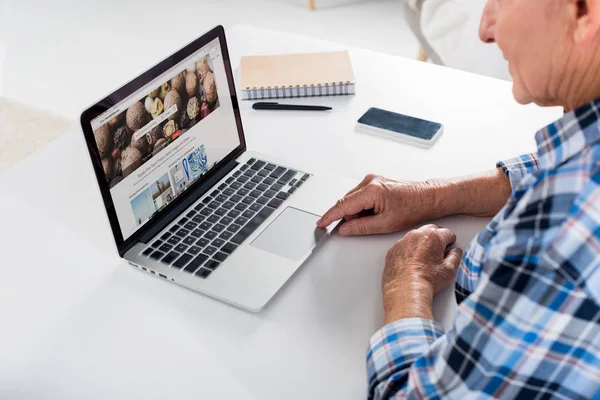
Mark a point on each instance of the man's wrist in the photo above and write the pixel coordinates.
(481, 194)
(446, 198)
(412, 298)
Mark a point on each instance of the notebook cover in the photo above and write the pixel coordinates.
(296, 70)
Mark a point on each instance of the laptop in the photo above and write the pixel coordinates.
(185, 200)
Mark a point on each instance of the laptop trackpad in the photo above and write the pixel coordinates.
(291, 235)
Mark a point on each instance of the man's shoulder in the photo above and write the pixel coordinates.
(574, 249)
(556, 221)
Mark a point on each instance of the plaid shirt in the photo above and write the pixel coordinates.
(527, 325)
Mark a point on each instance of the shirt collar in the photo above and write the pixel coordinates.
(569, 136)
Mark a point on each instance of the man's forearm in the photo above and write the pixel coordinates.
(413, 299)
(481, 194)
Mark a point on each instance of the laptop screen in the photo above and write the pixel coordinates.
(156, 142)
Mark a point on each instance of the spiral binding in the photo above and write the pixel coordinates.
(333, 89)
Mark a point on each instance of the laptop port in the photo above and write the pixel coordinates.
(162, 276)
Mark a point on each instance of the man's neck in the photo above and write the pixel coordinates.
(584, 86)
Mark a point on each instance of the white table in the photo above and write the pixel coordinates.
(77, 322)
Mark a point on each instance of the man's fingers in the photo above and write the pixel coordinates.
(351, 217)
(362, 226)
(447, 236)
(453, 257)
(427, 227)
(439, 236)
(362, 184)
(351, 204)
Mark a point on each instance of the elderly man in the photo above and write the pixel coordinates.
(527, 325)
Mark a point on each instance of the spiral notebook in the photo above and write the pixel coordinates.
(297, 75)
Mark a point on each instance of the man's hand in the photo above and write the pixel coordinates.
(417, 268)
(381, 205)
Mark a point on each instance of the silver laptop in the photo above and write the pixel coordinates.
(185, 200)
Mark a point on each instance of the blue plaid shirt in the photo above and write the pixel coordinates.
(527, 325)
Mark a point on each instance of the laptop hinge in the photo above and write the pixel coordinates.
(180, 209)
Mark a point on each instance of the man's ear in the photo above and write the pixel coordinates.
(587, 26)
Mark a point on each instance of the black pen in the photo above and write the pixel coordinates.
(295, 107)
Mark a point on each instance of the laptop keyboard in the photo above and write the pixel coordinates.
(213, 229)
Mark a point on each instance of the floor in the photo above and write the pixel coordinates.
(56, 57)
(25, 129)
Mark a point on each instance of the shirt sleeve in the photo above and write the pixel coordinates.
(516, 168)
(393, 350)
